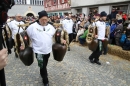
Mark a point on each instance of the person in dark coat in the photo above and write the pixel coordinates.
(118, 32)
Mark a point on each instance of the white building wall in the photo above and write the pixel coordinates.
(28, 1)
(74, 11)
(85, 10)
(104, 8)
(76, 3)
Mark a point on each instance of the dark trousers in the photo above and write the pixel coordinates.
(70, 37)
(117, 40)
(82, 40)
(2, 74)
(113, 41)
(96, 54)
(2, 78)
(43, 71)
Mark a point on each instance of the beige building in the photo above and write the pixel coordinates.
(85, 6)
(26, 7)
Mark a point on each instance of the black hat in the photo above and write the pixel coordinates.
(103, 13)
(42, 13)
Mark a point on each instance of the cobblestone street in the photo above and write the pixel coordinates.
(74, 70)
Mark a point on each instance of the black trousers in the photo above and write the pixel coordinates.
(96, 54)
(43, 71)
(2, 74)
(70, 37)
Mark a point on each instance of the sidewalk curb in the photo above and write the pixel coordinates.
(114, 50)
(118, 51)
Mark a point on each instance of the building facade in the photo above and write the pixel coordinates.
(85, 6)
(27, 7)
(57, 7)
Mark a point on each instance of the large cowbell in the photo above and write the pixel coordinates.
(9, 34)
(91, 41)
(58, 49)
(26, 55)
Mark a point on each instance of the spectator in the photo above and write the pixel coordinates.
(118, 16)
(118, 32)
(124, 17)
(113, 13)
(112, 28)
(80, 32)
(128, 29)
(82, 38)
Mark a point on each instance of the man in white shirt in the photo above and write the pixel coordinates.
(41, 34)
(68, 26)
(13, 25)
(101, 30)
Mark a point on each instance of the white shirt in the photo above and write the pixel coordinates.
(80, 32)
(14, 28)
(101, 26)
(128, 26)
(41, 40)
(68, 25)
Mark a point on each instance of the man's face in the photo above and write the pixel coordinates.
(18, 17)
(104, 18)
(43, 21)
(113, 10)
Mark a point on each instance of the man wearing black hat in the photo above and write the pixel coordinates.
(101, 30)
(41, 34)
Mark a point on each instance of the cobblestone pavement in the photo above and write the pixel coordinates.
(74, 70)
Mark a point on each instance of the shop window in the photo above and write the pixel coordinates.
(94, 10)
(79, 10)
(54, 2)
(121, 9)
(62, 1)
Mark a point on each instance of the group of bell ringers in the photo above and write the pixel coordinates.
(41, 38)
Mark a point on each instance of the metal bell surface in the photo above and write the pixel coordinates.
(59, 51)
(27, 56)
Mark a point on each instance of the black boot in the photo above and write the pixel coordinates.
(68, 48)
(16, 55)
(91, 60)
(97, 62)
(46, 84)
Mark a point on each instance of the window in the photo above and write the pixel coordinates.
(121, 9)
(42, 2)
(54, 2)
(20, 1)
(62, 1)
(31, 2)
(35, 2)
(94, 10)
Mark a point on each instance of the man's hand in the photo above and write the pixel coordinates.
(64, 41)
(3, 58)
(22, 47)
(96, 36)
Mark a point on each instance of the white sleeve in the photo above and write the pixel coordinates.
(63, 24)
(129, 26)
(29, 31)
(53, 30)
(97, 24)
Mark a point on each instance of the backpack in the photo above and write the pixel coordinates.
(123, 38)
